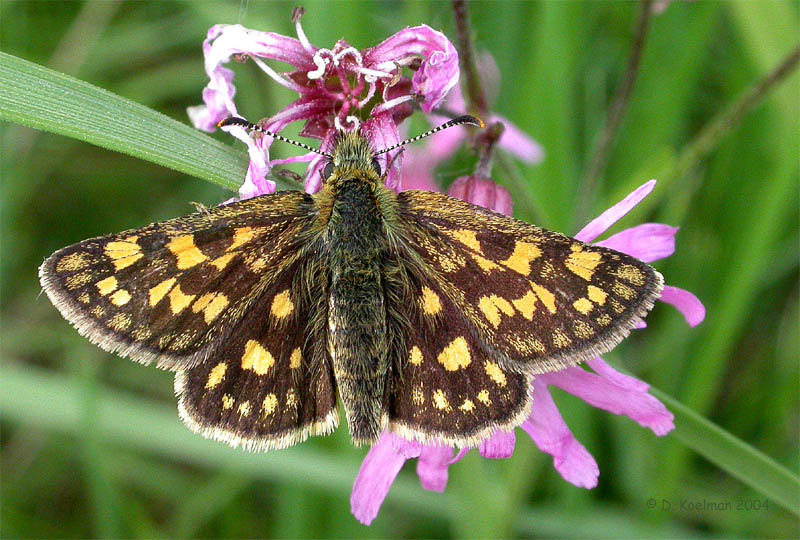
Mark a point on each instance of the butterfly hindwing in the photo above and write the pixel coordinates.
(538, 300)
(167, 292)
(450, 390)
(267, 386)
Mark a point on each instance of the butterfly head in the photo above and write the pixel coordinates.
(352, 156)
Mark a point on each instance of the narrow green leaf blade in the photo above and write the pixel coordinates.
(44, 99)
(733, 455)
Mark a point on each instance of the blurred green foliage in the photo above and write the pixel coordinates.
(92, 445)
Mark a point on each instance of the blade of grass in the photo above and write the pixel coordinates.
(733, 455)
(44, 99)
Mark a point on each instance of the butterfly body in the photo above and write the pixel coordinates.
(356, 239)
(425, 315)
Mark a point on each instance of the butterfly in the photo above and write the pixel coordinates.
(425, 315)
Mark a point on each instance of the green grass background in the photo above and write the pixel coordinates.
(92, 445)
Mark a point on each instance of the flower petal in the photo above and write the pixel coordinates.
(517, 142)
(600, 224)
(547, 429)
(498, 446)
(378, 471)
(482, 192)
(432, 467)
(439, 70)
(603, 393)
(600, 367)
(688, 304)
(223, 41)
(255, 181)
(513, 140)
(381, 131)
(648, 242)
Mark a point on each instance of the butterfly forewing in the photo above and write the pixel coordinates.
(168, 291)
(537, 300)
(451, 391)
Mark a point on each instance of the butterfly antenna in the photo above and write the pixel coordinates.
(241, 122)
(466, 119)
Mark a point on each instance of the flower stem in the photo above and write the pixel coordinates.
(485, 143)
(714, 131)
(602, 151)
(476, 96)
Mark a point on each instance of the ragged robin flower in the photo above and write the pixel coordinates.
(602, 387)
(336, 87)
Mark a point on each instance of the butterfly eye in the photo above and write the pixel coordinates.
(376, 166)
(328, 170)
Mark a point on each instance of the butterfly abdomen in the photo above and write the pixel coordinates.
(357, 338)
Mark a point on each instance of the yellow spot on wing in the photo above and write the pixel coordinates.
(560, 339)
(121, 297)
(142, 333)
(222, 262)
(78, 280)
(631, 274)
(467, 406)
(417, 397)
(440, 401)
(582, 263)
(583, 305)
(227, 402)
(583, 330)
(72, 262)
(604, 319)
(547, 298)
(526, 305)
(160, 291)
(186, 252)
(485, 264)
(84, 298)
(456, 355)
(211, 304)
(495, 373)
(430, 302)
(119, 264)
(291, 398)
(244, 408)
(596, 295)
(295, 358)
(415, 357)
(483, 397)
(120, 322)
(241, 236)
(520, 259)
(106, 286)
(623, 290)
(468, 238)
(282, 305)
(492, 305)
(178, 301)
(216, 375)
(124, 253)
(257, 358)
(270, 404)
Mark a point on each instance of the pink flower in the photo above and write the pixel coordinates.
(334, 86)
(604, 388)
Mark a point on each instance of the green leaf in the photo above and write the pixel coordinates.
(733, 455)
(44, 99)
